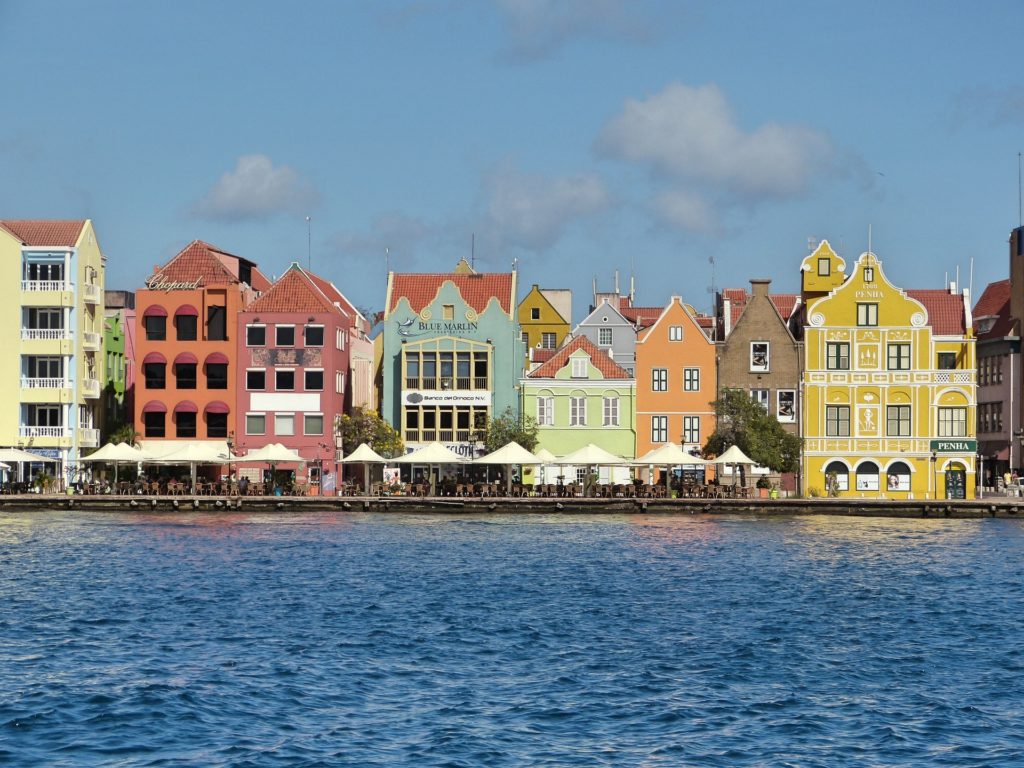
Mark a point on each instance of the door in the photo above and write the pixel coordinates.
(956, 483)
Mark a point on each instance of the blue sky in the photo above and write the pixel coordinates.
(575, 137)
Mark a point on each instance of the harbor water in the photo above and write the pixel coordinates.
(311, 639)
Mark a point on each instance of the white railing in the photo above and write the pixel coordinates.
(35, 383)
(954, 377)
(91, 340)
(90, 388)
(88, 438)
(44, 285)
(36, 334)
(91, 293)
(43, 432)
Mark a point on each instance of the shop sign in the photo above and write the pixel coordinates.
(158, 282)
(417, 397)
(465, 450)
(413, 327)
(954, 446)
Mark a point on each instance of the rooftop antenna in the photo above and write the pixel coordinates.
(309, 243)
(387, 263)
(472, 250)
(632, 272)
(711, 290)
(869, 239)
(1020, 209)
(970, 279)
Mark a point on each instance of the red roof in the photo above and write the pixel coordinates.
(642, 317)
(541, 354)
(476, 290)
(199, 260)
(333, 294)
(945, 311)
(995, 302)
(785, 303)
(608, 368)
(62, 234)
(295, 291)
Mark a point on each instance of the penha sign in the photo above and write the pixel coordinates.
(954, 446)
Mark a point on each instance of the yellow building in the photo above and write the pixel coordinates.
(544, 317)
(51, 304)
(888, 388)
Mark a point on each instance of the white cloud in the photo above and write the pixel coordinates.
(690, 133)
(686, 210)
(533, 211)
(537, 28)
(256, 189)
(394, 230)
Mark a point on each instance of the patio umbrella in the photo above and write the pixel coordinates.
(117, 454)
(271, 454)
(191, 452)
(593, 455)
(507, 455)
(668, 455)
(544, 456)
(433, 454)
(733, 455)
(366, 456)
(17, 455)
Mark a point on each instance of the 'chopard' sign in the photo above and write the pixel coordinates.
(159, 283)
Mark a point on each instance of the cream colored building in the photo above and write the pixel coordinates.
(51, 307)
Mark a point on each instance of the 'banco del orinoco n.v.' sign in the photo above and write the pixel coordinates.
(954, 446)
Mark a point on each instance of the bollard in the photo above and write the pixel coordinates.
(346, 506)
(195, 503)
(280, 505)
(152, 503)
(133, 503)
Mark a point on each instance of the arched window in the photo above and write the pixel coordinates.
(867, 476)
(838, 475)
(897, 477)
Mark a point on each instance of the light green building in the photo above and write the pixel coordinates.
(581, 396)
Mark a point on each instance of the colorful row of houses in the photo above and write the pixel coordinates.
(884, 385)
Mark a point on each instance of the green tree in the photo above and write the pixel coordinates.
(366, 426)
(502, 430)
(744, 423)
(124, 434)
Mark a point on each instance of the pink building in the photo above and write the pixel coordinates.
(294, 355)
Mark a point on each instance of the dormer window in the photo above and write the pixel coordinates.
(869, 274)
(824, 267)
(579, 367)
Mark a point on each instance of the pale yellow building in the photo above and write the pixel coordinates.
(889, 388)
(51, 304)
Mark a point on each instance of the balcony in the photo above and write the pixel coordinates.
(88, 438)
(35, 286)
(36, 383)
(51, 432)
(90, 388)
(91, 341)
(91, 293)
(46, 334)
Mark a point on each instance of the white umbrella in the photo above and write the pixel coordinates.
(544, 456)
(593, 455)
(272, 454)
(668, 455)
(191, 452)
(733, 455)
(432, 454)
(18, 455)
(507, 455)
(117, 454)
(366, 456)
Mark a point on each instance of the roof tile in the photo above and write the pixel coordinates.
(600, 359)
(995, 302)
(43, 232)
(945, 310)
(476, 289)
(294, 291)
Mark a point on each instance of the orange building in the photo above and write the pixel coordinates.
(675, 380)
(186, 350)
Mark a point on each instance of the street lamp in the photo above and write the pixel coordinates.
(935, 480)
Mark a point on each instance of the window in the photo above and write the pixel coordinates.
(314, 381)
(255, 423)
(256, 380)
(217, 323)
(659, 380)
(659, 429)
(580, 367)
(824, 267)
(691, 379)
(869, 274)
(837, 356)
(691, 429)
(255, 335)
(897, 478)
(284, 335)
(604, 337)
(154, 424)
(578, 411)
(947, 361)
(675, 333)
(284, 379)
(185, 424)
(339, 383)
(535, 313)
(314, 336)
(838, 476)
(525, 336)
(611, 412)
(786, 405)
(156, 375)
(187, 327)
(760, 396)
(156, 327)
(545, 411)
(867, 476)
(216, 425)
(547, 340)
(284, 424)
(837, 420)
(952, 422)
(448, 312)
(313, 424)
(216, 375)
(759, 356)
(867, 315)
(44, 367)
(185, 375)
(897, 420)
(899, 357)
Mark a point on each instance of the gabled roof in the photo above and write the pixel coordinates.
(703, 322)
(995, 303)
(642, 317)
(606, 307)
(946, 314)
(199, 260)
(785, 303)
(419, 289)
(332, 293)
(294, 291)
(600, 360)
(43, 232)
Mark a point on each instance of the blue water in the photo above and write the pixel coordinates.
(366, 640)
